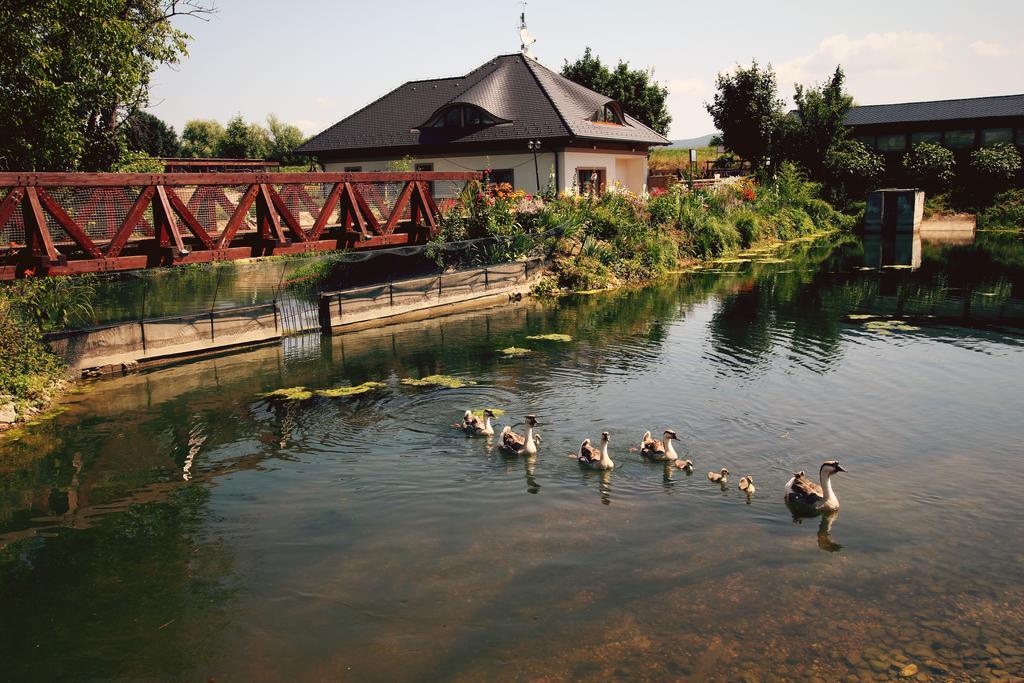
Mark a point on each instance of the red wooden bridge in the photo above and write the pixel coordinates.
(66, 223)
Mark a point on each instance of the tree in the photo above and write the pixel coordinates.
(999, 164)
(634, 89)
(930, 165)
(284, 137)
(201, 138)
(748, 111)
(819, 123)
(144, 132)
(851, 168)
(243, 140)
(71, 72)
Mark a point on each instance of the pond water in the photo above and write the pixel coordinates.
(174, 525)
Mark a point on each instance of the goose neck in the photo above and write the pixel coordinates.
(826, 488)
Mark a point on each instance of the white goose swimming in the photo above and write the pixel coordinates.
(801, 492)
(594, 458)
(474, 425)
(513, 443)
(659, 450)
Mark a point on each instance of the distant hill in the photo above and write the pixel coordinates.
(702, 141)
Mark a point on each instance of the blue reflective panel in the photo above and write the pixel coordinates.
(453, 119)
(934, 137)
(892, 142)
(960, 139)
(995, 136)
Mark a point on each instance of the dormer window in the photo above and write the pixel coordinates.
(609, 113)
(461, 116)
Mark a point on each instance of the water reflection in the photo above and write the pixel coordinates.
(898, 250)
(146, 504)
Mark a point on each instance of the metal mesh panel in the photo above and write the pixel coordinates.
(13, 231)
(306, 201)
(213, 206)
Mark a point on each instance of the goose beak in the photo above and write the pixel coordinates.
(839, 468)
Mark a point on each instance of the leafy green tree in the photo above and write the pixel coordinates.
(284, 137)
(243, 140)
(201, 138)
(748, 111)
(71, 71)
(818, 124)
(930, 165)
(144, 132)
(635, 89)
(851, 168)
(999, 164)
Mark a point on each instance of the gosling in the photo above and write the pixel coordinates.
(747, 485)
(719, 477)
(684, 465)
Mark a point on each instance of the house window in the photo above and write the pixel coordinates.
(503, 175)
(996, 136)
(892, 142)
(1020, 137)
(607, 114)
(934, 137)
(960, 139)
(591, 180)
(867, 140)
(461, 116)
(353, 169)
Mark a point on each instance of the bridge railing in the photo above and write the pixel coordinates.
(65, 223)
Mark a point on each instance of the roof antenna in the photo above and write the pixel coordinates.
(525, 39)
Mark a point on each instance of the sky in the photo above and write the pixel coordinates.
(314, 62)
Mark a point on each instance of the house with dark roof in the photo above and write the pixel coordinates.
(960, 125)
(528, 124)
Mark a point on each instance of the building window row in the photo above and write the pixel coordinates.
(964, 138)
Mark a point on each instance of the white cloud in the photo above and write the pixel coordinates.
(694, 87)
(686, 105)
(876, 56)
(307, 126)
(985, 49)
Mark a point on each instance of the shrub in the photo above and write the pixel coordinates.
(930, 165)
(853, 166)
(711, 236)
(751, 227)
(1007, 211)
(1000, 163)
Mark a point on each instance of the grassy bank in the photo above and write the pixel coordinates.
(31, 376)
(621, 238)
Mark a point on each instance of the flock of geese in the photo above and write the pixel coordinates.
(801, 493)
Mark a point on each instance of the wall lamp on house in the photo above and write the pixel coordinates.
(534, 146)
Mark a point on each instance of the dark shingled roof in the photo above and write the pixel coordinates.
(527, 99)
(940, 110)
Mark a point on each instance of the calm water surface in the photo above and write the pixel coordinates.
(175, 526)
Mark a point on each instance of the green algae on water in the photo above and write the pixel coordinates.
(514, 351)
(889, 326)
(290, 394)
(345, 392)
(550, 337)
(443, 381)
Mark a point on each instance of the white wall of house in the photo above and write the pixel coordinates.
(629, 170)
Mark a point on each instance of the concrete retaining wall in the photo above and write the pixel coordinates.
(422, 297)
(112, 348)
